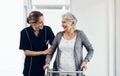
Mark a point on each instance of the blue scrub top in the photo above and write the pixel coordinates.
(35, 43)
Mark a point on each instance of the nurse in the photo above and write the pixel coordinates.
(34, 41)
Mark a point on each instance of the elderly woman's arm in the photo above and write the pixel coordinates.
(89, 49)
(52, 48)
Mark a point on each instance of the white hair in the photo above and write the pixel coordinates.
(69, 16)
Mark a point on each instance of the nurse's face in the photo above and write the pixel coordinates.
(39, 24)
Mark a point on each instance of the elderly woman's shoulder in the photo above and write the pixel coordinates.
(79, 31)
(59, 33)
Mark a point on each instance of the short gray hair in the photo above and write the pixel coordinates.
(70, 17)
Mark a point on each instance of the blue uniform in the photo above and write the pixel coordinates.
(33, 65)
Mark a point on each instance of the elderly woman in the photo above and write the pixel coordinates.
(69, 44)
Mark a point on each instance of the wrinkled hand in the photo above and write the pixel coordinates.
(46, 66)
(84, 65)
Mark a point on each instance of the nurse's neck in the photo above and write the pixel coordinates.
(35, 29)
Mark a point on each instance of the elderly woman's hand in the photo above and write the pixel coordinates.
(83, 65)
(46, 66)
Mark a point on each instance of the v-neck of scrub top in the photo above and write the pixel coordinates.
(40, 32)
(33, 32)
(40, 39)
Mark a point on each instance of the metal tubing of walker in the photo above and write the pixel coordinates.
(80, 73)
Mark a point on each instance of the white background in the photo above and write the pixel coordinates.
(11, 22)
(96, 18)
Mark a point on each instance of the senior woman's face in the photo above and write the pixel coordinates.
(66, 24)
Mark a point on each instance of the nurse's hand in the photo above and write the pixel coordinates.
(48, 51)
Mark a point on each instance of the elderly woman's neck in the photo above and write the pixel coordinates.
(69, 34)
(71, 31)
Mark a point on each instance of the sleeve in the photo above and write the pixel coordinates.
(24, 42)
(50, 35)
(53, 47)
(55, 42)
(88, 46)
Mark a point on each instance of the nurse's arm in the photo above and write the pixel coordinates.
(37, 53)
